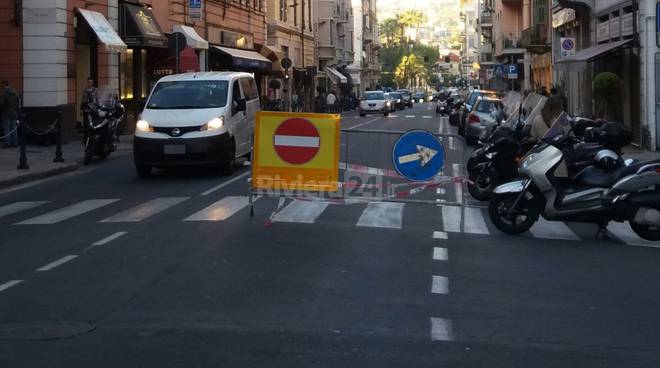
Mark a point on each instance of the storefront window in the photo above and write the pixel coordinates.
(145, 82)
(126, 75)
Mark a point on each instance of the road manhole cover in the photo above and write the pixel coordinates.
(43, 330)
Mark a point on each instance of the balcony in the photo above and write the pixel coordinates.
(508, 44)
(486, 20)
(368, 36)
(486, 48)
(535, 39)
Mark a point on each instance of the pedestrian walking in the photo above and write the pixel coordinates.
(9, 101)
(331, 101)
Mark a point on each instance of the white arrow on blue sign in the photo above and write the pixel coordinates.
(195, 3)
(418, 155)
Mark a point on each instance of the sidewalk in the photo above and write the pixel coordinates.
(640, 155)
(40, 160)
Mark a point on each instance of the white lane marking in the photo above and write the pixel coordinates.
(410, 116)
(452, 145)
(441, 191)
(9, 284)
(108, 239)
(451, 218)
(305, 212)
(224, 184)
(296, 141)
(458, 186)
(439, 235)
(441, 329)
(440, 254)
(363, 124)
(457, 169)
(474, 221)
(440, 285)
(624, 233)
(552, 230)
(427, 117)
(57, 263)
(221, 210)
(394, 116)
(145, 210)
(68, 212)
(382, 214)
(19, 206)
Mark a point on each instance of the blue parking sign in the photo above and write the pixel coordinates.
(195, 4)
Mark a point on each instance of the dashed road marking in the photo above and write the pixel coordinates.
(57, 263)
(439, 235)
(441, 329)
(9, 284)
(440, 254)
(427, 117)
(410, 116)
(108, 239)
(440, 285)
(363, 124)
(224, 184)
(382, 214)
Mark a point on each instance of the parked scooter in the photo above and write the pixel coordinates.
(105, 113)
(596, 195)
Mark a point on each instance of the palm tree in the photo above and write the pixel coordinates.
(389, 28)
(411, 19)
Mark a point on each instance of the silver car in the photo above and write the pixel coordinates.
(485, 112)
(374, 102)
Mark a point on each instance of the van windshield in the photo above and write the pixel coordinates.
(189, 95)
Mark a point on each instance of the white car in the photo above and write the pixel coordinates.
(197, 119)
(374, 102)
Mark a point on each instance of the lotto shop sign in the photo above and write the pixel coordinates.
(295, 151)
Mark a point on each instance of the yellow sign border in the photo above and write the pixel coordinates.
(291, 177)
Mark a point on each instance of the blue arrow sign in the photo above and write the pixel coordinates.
(195, 4)
(418, 155)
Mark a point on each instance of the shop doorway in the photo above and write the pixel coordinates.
(83, 71)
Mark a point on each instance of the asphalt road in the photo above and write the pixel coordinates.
(100, 269)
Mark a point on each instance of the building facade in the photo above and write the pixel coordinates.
(334, 45)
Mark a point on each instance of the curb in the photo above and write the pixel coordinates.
(28, 177)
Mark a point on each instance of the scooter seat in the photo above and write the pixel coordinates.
(594, 176)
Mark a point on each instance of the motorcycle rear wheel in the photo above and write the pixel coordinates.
(519, 220)
(646, 232)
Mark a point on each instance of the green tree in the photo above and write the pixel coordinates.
(410, 19)
(607, 88)
(389, 30)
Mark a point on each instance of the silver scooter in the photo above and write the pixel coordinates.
(629, 193)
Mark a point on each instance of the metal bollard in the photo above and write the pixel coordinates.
(58, 149)
(22, 161)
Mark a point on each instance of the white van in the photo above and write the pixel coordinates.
(197, 119)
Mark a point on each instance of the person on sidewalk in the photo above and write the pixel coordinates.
(331, 101)
(9, 101)
(88, 96)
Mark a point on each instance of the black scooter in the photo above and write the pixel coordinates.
(105, 113)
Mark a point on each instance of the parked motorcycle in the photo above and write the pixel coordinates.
(596, 195)
(105, 113)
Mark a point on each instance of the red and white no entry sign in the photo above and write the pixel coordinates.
(297, 141)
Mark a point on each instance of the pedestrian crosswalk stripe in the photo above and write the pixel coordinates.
(305, 212)
(474, 221)
(68, 212)
(552, 230)
(624, 233)
(221, 210)
(441, 329)
(382, 214)
(427, 117)
(451, 218)
(145, 210)
(15, 207)
(410, 116)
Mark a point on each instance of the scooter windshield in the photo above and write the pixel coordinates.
(560, 128)
(106, 96)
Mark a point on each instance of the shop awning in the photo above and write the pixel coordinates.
(103, 30)
(591, 53)
(274, 56)
(335, 76)
(140, 27)
(193, 39)
(242, 59)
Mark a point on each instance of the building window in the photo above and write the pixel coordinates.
(283, 10)
(295, 12)
(309, 12)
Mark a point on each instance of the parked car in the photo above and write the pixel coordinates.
(485, 112)
(374, 102)
(397, 99)
(197, 119)
(468, 105)
(407, 97)
(391, 102)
